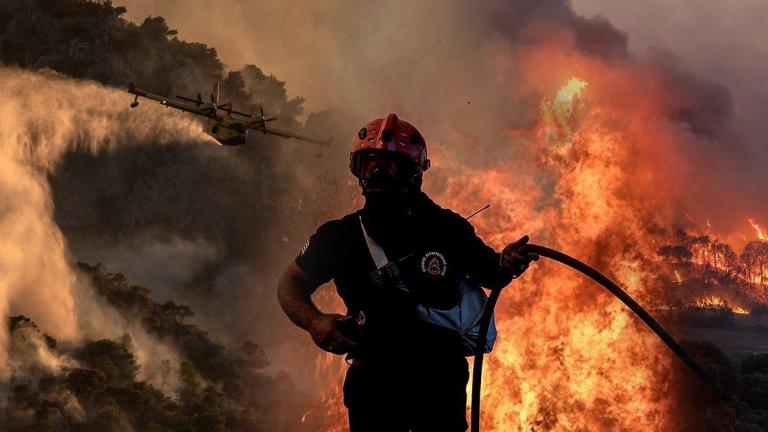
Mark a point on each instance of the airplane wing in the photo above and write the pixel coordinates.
(261, 124)
(180, 105)
(286, 134)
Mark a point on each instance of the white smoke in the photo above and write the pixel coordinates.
(97, 319)
(44, 116)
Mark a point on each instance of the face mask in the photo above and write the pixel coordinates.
(381, 180)
(383, 171)
(388, 212)
(385, 214)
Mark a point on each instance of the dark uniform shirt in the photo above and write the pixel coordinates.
(436, 248)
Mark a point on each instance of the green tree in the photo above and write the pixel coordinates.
(111, 358)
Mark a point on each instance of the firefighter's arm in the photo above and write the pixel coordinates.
(494, 270)
(294, 292)
(514, 261)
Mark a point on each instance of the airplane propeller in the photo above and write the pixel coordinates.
(262, 121)
(214, 105)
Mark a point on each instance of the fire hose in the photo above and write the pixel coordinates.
(616, 291)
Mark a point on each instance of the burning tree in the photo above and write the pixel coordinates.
(714, 270)
(755, 259)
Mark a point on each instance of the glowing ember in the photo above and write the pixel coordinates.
(710, 302)
(740, 310)
(717, 303)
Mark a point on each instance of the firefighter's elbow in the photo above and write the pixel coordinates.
(291, 284)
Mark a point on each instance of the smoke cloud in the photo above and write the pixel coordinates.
(47, 116)
(97, 320)
(453, 69)
(729, 51)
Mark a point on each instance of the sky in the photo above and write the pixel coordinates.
(723, 41)
(717, 40)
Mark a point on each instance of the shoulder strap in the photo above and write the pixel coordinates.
(377, 253)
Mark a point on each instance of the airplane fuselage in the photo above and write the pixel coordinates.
(230, 126)
(228, 131)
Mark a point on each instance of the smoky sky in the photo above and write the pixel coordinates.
(430, 62)
(214, 226)
(719, 41)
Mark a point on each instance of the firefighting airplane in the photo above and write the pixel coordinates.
(230, 127)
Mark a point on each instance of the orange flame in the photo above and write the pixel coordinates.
(566, 348)
(710, 302)
(584, 178)
(758, 230)
(740, 310)
(716, 302)
(678, 278)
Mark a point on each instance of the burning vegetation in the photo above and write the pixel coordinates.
(597, 196)
(709, 274)
(596, 193)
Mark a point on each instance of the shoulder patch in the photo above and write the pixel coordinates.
(304, 248)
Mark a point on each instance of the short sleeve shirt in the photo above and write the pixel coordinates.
(445, 249)
(432, 263)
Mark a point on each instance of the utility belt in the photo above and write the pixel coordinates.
(463, 319)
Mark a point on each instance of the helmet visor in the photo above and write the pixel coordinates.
(366, 164)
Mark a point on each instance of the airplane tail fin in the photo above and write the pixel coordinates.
(215, 94)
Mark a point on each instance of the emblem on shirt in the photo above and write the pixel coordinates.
(433, 263)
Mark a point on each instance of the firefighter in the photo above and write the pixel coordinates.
(405, 374)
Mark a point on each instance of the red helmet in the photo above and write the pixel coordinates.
(389, 134)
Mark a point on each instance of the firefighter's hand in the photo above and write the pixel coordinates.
(326, 334)
(514, 259)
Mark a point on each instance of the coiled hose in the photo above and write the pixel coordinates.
(608, 284)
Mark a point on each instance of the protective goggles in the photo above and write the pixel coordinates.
(364, 164)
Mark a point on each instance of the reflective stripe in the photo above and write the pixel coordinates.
(377, 253)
